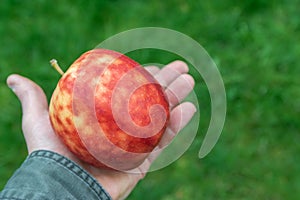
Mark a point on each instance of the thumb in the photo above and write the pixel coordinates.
(32, 98)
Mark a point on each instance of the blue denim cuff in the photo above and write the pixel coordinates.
(48, 175)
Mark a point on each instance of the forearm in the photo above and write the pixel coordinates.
(48, 175)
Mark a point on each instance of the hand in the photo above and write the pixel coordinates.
(36, 124)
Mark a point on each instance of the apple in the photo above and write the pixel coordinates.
(108, 110)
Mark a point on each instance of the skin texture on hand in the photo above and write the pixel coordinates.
(39, 134)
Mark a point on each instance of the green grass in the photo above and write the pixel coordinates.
(255, 44)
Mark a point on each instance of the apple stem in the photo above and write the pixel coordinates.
(54, 64)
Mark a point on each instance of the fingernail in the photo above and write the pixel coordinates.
(12, 87)
(11, 82)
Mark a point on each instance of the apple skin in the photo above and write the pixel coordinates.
(101, 110)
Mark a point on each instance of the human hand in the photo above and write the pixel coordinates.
(39, 134)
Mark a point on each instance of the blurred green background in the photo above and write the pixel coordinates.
(255, 44)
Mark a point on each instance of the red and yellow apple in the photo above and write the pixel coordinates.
(108, 110)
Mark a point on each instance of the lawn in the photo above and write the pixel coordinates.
(255, 44)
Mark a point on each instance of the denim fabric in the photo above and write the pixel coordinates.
(48, 175)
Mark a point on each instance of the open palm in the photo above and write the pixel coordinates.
(39, 134)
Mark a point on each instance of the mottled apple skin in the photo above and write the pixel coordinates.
(81, 110)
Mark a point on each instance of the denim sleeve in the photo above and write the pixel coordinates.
(48, 175)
